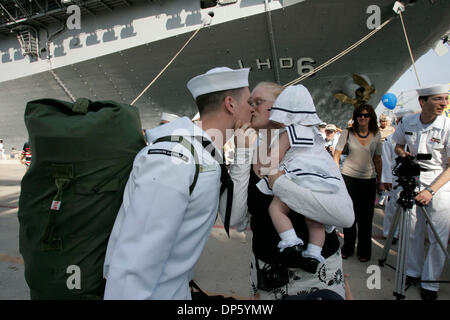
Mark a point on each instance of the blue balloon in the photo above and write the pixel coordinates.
(389, 100)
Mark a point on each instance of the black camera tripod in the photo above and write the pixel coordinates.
(403, 213)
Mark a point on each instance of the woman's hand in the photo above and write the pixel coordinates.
(272, 178)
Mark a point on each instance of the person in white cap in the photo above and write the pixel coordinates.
(322, 126)
(171, 199)
(388, 156)
(428, 133)
(331, 138)
(386, 129)
(306, 162)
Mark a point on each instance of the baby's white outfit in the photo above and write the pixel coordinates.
(307, 162)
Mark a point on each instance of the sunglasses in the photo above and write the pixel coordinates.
(363, 115)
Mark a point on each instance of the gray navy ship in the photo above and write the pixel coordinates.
(112, 49)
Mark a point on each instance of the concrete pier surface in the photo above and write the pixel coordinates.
(224, 265)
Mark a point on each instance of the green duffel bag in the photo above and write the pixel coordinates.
(82, 155)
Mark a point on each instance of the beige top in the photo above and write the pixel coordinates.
(387, 131)
(359, 163)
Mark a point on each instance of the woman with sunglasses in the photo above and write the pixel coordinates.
(361, 171)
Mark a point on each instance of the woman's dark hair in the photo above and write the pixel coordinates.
(373, 125)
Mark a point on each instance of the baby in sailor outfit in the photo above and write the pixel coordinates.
(307, 163)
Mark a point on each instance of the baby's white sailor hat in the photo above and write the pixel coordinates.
(295, 106)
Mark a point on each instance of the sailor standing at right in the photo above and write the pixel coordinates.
(428, 132)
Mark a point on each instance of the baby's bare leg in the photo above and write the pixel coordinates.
(316, 232)
(279, 214)
(316, 240)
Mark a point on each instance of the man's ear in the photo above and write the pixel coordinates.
(421, 102)
(229, 104)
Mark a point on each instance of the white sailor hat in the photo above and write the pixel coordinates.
(218, 79)
(294, 106)
(168, 116)
(434, 89)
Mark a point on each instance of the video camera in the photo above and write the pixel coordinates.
(407, 167)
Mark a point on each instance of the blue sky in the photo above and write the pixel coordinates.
(431, 69)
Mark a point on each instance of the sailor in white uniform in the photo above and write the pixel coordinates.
(171, 199)
(428, 133)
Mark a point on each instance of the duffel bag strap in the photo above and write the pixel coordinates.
(190, 147)
(63, 174)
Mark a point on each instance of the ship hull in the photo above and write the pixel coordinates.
(305, 35)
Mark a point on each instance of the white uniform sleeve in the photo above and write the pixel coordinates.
(240, 174)
(398, 136)
(332, 209)
(155, 212)
(386, 158)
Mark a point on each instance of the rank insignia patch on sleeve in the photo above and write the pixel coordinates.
(168, 153)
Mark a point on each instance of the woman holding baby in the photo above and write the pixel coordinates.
(292, 194)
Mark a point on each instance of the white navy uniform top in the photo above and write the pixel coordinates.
(307, 163)
(161, 229)
(430, 139)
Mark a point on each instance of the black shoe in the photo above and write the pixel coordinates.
(428, 294)
(411, 281)
(291, 257)
(394, 241)
(346, 254)
(310, 265)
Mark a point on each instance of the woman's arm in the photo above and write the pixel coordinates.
(378, 167)
(337, 156)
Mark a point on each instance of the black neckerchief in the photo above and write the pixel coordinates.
(225, 179)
